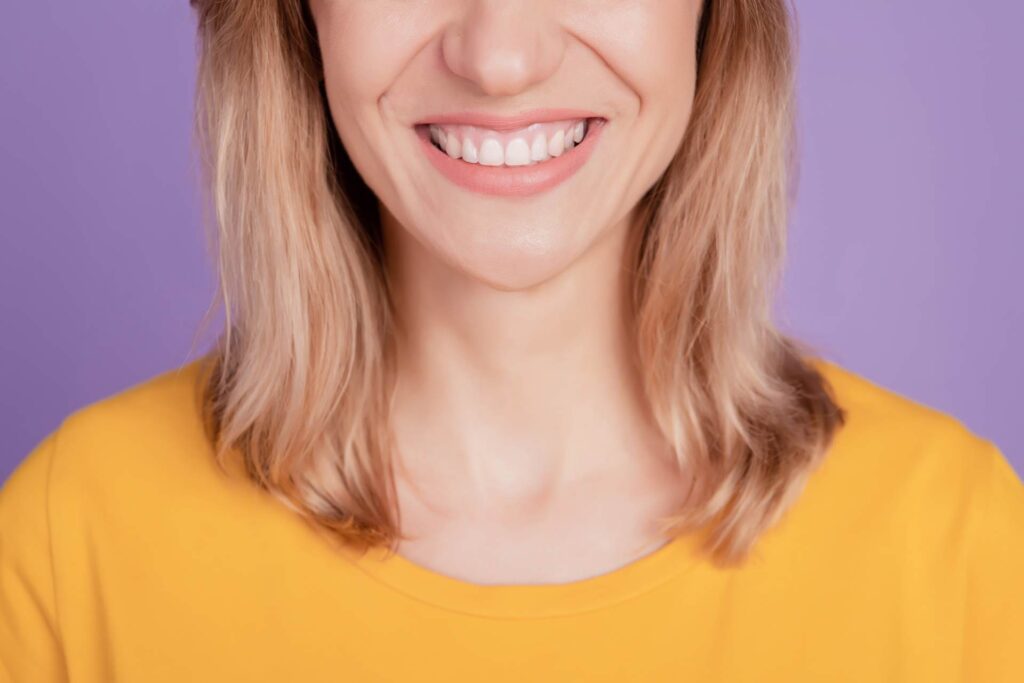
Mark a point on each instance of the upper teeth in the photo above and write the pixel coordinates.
(533, 144)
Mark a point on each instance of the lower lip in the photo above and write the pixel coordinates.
(513, 181)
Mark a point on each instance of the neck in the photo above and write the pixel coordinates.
(516, 392)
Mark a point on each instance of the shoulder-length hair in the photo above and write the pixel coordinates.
(300, 380)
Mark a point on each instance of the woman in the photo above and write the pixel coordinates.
(499, 396)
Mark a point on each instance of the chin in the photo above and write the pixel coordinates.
(512, 269)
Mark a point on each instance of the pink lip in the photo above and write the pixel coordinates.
(495, 122)
(511, 181)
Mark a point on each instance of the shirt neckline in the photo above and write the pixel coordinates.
(525, 601)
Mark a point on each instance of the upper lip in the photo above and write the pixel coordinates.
(499, 122)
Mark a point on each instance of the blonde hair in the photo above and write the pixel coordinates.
(299, 382)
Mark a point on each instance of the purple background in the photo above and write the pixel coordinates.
(905, 254)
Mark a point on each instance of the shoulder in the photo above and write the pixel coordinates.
(163, 409)
(145, 438)
(878, 412)
(905, 479)
(882, 420)
(903, 461)
(100, 480)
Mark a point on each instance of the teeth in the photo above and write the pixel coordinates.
(577, 133)
(453, 147)
(557, 144)
(491, 153)
(531, 146)
(539, 149)
(517, 153)
(469, 151)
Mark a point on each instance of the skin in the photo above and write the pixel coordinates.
(526, 451)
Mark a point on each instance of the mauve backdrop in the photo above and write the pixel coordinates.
(905, 258)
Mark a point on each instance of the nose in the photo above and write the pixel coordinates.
(504, 46)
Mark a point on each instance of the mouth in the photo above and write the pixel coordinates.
(510, 157)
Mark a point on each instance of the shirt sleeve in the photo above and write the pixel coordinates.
(994, 638)
(30, 647)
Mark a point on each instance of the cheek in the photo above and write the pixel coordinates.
(365, 47)
(650, 44)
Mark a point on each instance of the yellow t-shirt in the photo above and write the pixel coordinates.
(126, 555)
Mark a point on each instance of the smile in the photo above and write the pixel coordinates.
(534, 144)
(509, 157)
